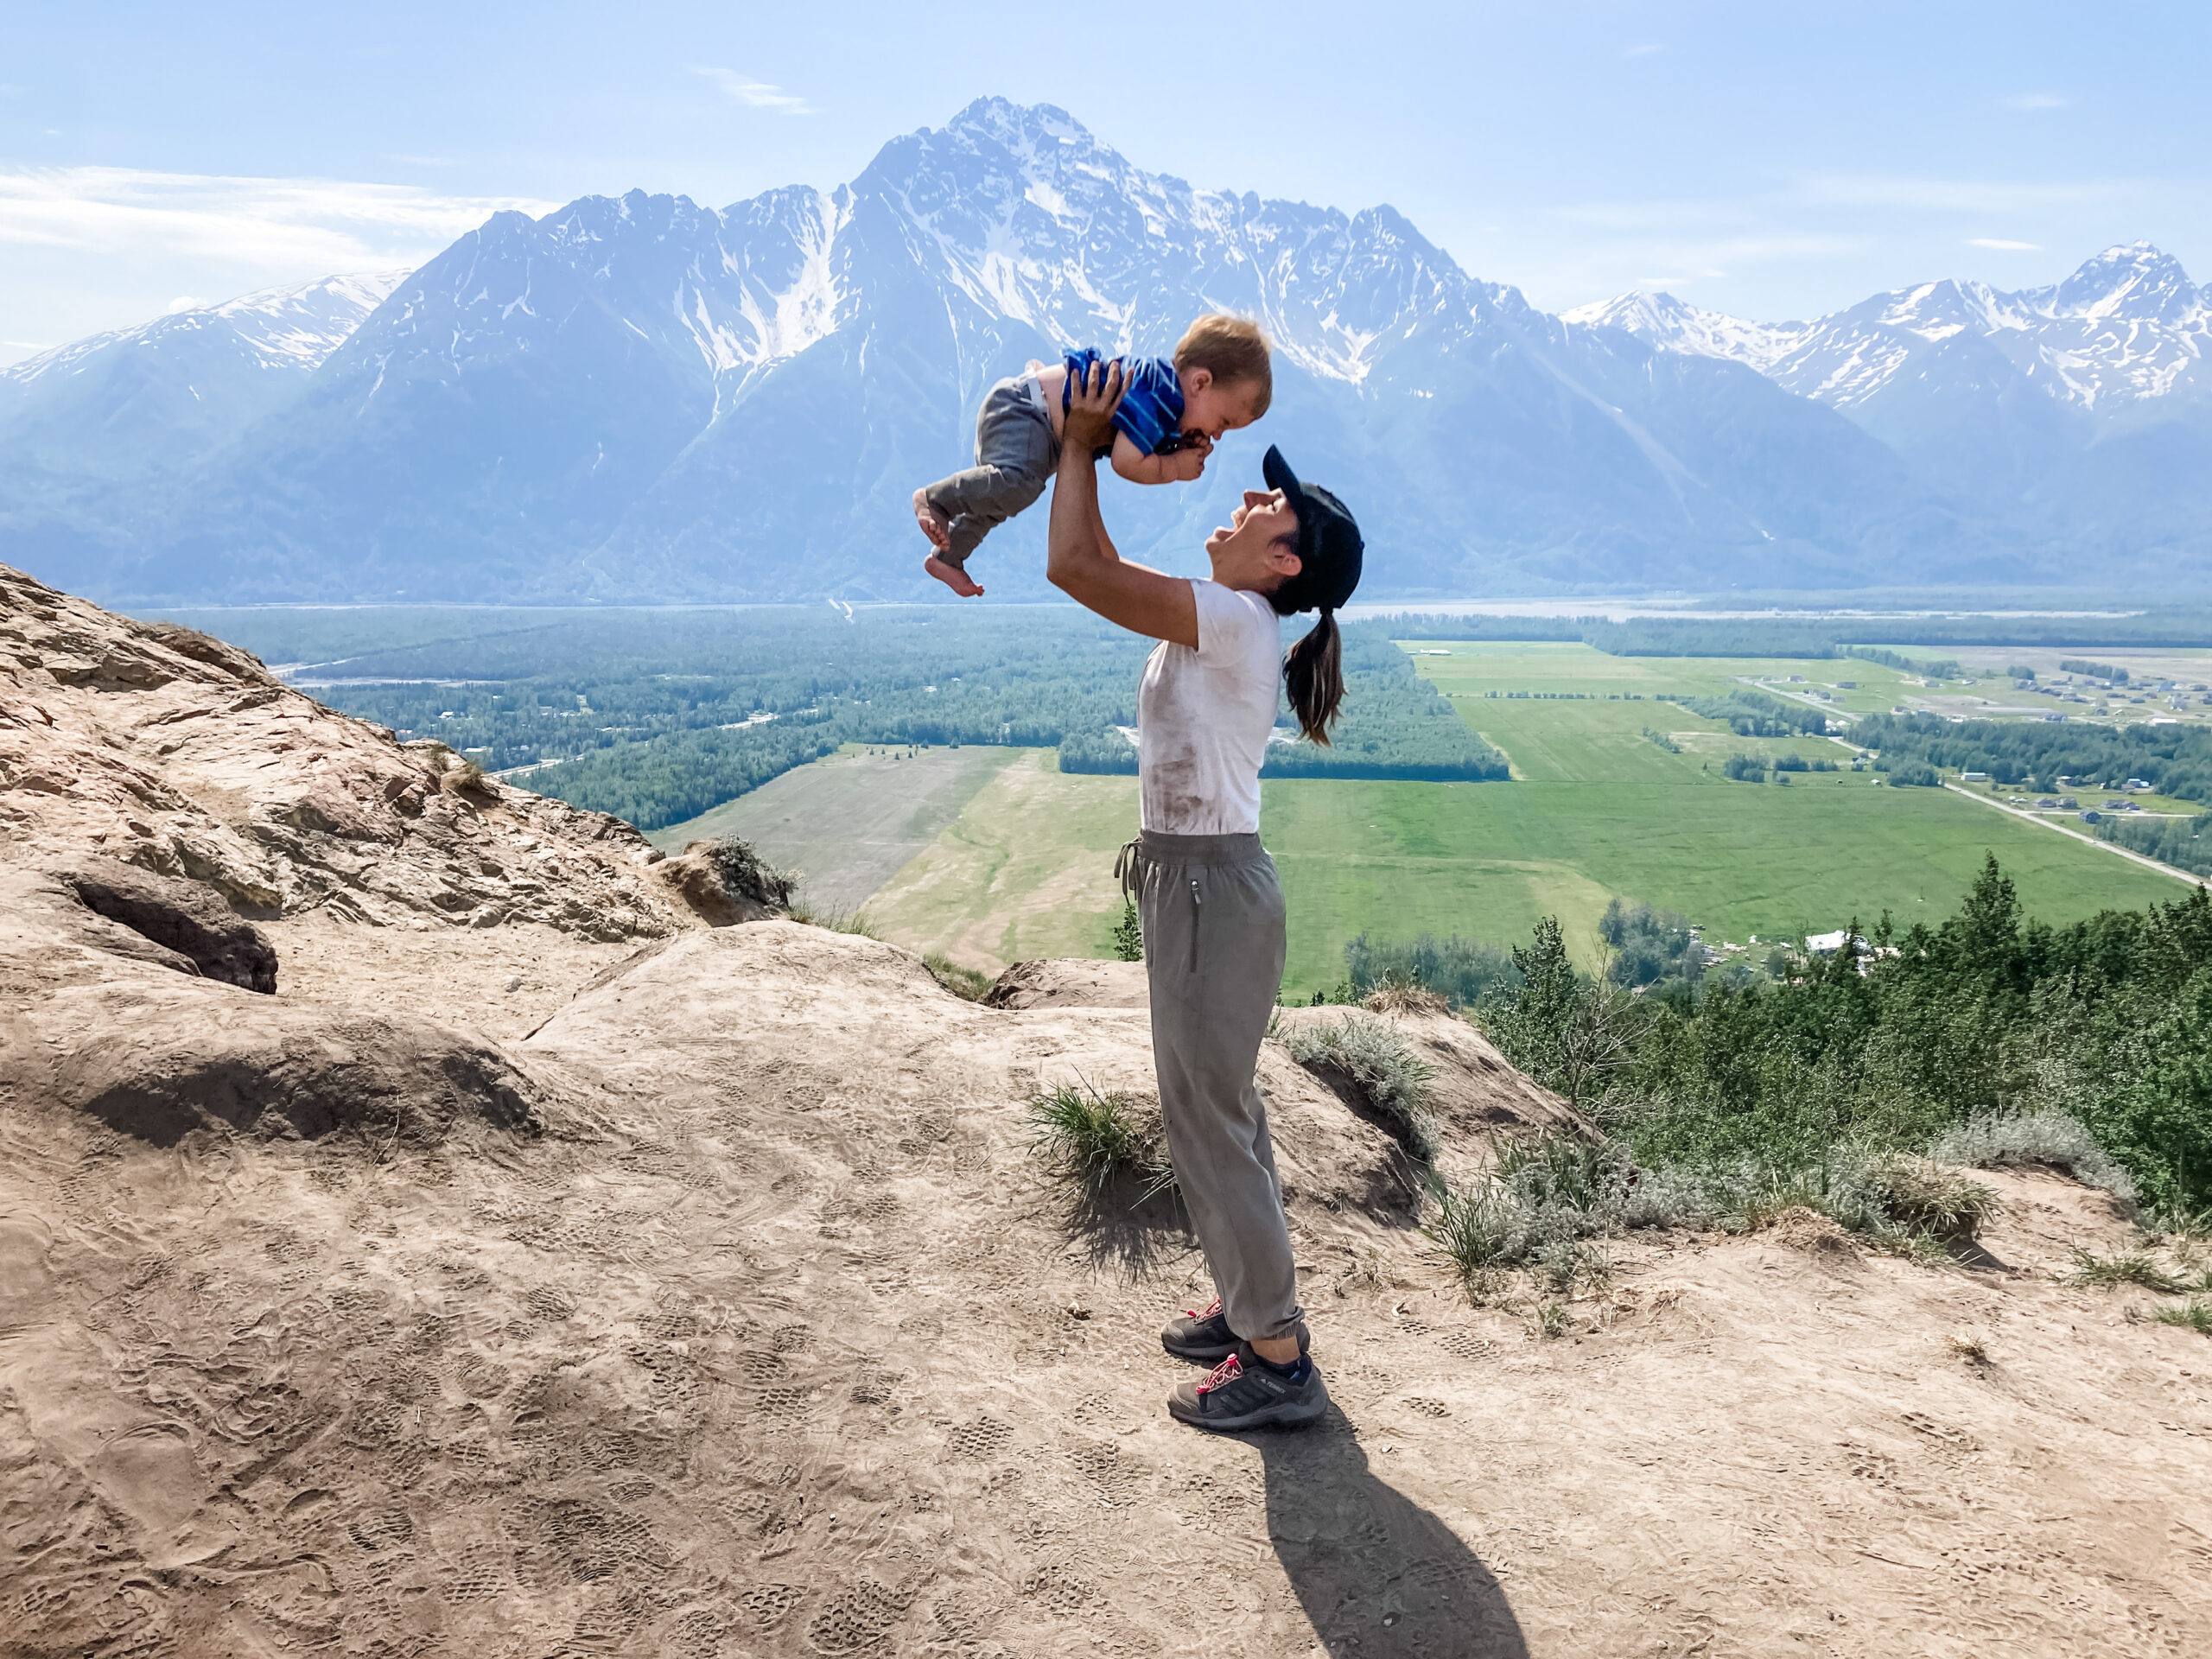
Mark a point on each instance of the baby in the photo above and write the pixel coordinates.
(1170, 417)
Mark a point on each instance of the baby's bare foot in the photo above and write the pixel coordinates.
(935, 524)
(952, 576)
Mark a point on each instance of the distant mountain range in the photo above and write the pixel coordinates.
(644, 399)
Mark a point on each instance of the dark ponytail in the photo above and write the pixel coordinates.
(1312, 670)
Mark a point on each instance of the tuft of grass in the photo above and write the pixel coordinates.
(966, 983)
(1480, 1229)
(2053, 1138)
(1546, 1320)
(1928, 1198)
(1393, 994)
(2195, 1314)
(1381, 1063)
(836, 921)
(1099, 1141)
(2106, 1271)
(1969, 1349)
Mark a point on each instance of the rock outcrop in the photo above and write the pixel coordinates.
(157, 747)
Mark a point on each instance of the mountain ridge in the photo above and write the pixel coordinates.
(640, 398)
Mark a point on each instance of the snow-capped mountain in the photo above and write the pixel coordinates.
(2088, 401)
(2126, 327)
(170, 391)
(646, 399)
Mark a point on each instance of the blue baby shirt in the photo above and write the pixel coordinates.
(1152, 397)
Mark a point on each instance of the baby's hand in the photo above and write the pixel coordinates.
(1188, 463)
(1090, 406)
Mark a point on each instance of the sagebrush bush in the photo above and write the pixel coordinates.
(1380, 1063)
(744, 872)
(2051, 1138)
(1099, 1141)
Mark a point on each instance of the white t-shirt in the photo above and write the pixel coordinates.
(1203, 716)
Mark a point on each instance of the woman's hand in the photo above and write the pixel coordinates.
(1091, 401)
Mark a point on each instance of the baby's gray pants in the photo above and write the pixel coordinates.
(1015, 457)
(1213, 950)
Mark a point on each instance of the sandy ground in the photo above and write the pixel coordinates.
(780, 1341)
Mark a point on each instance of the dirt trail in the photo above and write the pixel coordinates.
(776, 1341)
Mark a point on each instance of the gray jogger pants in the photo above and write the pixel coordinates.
(1015, 457)
(1213, 950)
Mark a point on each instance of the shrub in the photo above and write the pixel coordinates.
(1381, 1063)
(1921, 1195)
(1129, 934)
(2052, 1138)
(743, 872)
(1099, 1141)
(1743, 769)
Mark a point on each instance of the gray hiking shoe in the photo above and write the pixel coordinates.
(1202, 1336)
(1245, 1392)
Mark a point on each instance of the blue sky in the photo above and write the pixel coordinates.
(1774, 160)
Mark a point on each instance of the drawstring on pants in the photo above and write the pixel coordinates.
(1127, 867)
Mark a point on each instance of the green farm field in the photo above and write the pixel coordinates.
(1596, 811)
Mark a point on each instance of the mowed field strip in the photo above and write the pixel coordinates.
(1024, 867)
(852, 820)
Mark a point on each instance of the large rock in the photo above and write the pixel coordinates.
(97, 1019)
(186, 917)
(157, 747)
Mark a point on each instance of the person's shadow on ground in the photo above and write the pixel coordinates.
(1375, 1572)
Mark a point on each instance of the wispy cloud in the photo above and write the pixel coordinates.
(1962, 196)
(287, 226)
(185, 303)
(2002, 246)
(756, 94)
(2033, 101)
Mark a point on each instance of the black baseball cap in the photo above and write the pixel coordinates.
(1328, 545)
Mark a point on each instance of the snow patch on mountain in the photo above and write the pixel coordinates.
(2126, 328)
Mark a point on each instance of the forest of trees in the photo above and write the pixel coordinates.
(1394, 724)
(2034, 755)
(1753, 714)
(655, 717)
(2182, 843)
(1986, 1014)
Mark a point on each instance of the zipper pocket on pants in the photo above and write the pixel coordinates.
(1197, 904)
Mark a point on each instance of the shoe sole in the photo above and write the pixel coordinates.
(1214, 1356)
(1282, 1414)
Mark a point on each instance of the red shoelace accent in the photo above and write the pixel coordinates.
(1222, 1375)
(1207, 1313)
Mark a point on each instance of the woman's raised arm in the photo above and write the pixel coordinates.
(1081, 562)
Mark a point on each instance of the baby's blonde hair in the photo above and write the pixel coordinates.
(1231, 349)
